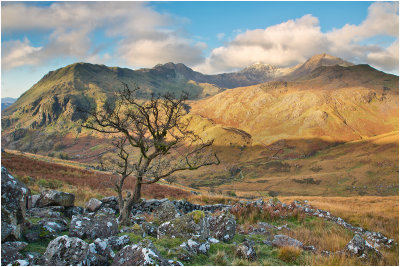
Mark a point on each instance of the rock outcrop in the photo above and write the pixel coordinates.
(15, 200)
(55, 198)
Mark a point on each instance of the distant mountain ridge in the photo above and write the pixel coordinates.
(56, 99)
(7, 101)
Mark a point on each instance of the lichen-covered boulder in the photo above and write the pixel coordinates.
(186, 226)
(92, 227)
(93, 205)
(223, 226)
(246, 251)
(15, 200)
(142, 254)
(55, 198)
(361, 248)
(165, 212)
(284, 241)
(10, 252)
(65, 250)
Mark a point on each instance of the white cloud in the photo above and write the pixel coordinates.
(72, 26)
(149, 52)
(137, 35)
(17, 53)
(294, 41)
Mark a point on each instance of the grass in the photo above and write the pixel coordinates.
(85, 184)
(379, 214)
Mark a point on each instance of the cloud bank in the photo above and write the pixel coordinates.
(134, 34)
(294, 41)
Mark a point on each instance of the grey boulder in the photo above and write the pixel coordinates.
(15, 200)
(284, 241)
(55, 198)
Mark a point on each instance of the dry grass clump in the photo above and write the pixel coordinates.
(220, 258)
(322, 234)
(289, 253)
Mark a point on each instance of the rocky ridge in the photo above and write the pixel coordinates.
(79, 236)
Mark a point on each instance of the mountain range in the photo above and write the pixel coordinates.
(259, 114)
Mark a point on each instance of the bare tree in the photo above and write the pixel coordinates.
(153, 141)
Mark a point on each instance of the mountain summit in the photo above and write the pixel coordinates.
(315, 62)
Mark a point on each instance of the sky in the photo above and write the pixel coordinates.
(210, 37)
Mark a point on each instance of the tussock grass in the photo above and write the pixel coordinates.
(289, 254)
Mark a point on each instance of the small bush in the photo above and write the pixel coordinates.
(231, 193)
(197, 215)
(289, 254)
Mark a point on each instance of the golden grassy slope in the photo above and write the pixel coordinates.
(275, 111)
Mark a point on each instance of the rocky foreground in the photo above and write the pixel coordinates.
(91, 236)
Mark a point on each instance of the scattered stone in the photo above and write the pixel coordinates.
(309, 248)
(55, 198)
(92, 227)
(15, 200)
(93, 205)
(246, 251)
(142, 254)
(283, 241)
(223, 227)
(361, 248)
(212, 240)
(10, 252)
(196, 245)
(165, 212)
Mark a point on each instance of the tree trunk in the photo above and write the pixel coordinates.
(138, 190)
(125, 211)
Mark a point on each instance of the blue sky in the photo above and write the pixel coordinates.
(211, 37)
